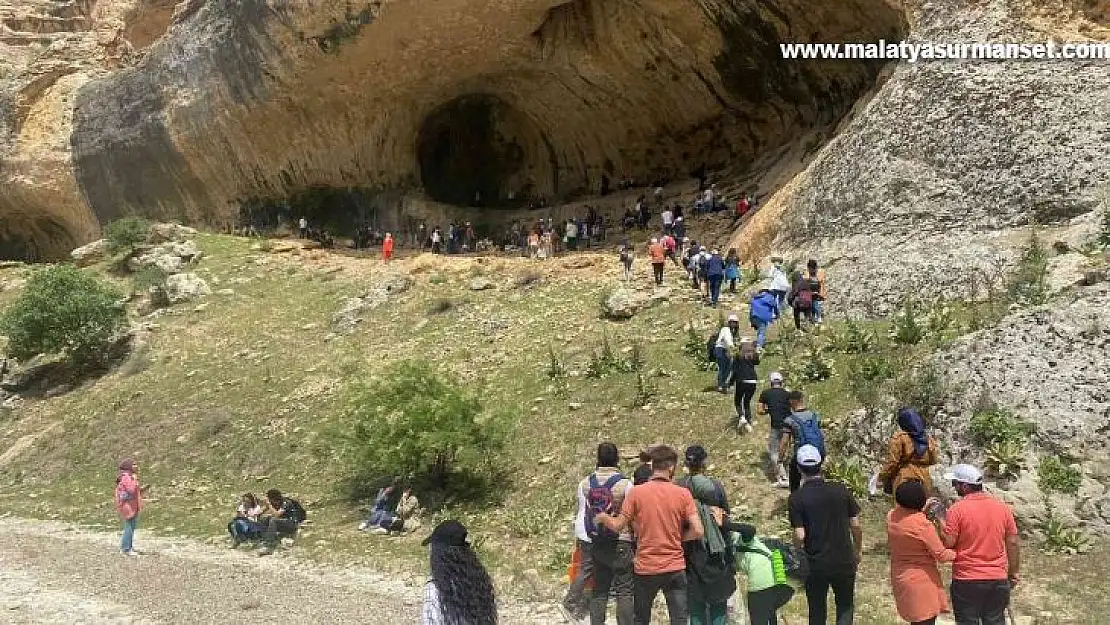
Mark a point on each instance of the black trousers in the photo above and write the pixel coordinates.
(275, 528)
(745, 391)
(763, 605)
(646, 587)
(844, 593)
(658, 269)
(612, 575)
(980, 602)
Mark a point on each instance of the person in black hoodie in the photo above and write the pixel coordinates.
(746, 379)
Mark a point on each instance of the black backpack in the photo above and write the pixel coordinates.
(294, 511)
(711, 346)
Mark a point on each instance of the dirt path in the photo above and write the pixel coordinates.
(57, 573)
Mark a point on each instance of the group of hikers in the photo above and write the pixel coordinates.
(652, 533)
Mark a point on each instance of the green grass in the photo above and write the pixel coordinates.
(246, 394)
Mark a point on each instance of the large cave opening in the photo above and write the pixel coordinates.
(478, 150)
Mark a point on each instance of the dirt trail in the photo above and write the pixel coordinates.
(58, 573)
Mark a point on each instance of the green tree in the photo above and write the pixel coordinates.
(64, 310)
(123, 235)
(415, 422)
(1029, 281)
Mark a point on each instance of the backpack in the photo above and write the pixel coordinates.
(787, 560)
(599, 498)
(711, 346)
(808, 432)
(804, 299)
(296, 512)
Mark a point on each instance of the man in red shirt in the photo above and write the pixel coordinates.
(662, 516)
(982, 531)
(387, 247)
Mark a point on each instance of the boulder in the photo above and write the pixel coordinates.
(171, 257)
(38, 373)
(481, 284)
(90, 254)
(350, 313)
(623, 303)
(1066, 270)
(163, 233)
(183, 287)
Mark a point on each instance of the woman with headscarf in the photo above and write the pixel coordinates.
(459, 591)
(910, 453)
(915, 550)
(710, 562)
(129, 501)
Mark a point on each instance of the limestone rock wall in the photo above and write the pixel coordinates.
(263, 98)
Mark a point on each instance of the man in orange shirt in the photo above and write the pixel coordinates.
(982, 531)
(658, 255)
(387, 247)
(662, 516)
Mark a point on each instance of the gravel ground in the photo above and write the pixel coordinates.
(57, 573)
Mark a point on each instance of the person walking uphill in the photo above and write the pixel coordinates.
(710, 562)
(129, 502)
(764, 309)
(775, 403)
(662, 516)
(983, 533)
(767, 592)
(915, 550)
(658, 255)
(732, 269)
(606, 555)
(459, 590)
(746, 379)
(825, 518)
(722, 351)
(715, 273)
(910, 453)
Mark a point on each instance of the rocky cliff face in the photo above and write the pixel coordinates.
(443, 101)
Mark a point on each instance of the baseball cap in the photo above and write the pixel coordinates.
(776, 377)
(450, 533)
(808, 456)
(965, 474)
(735, 318)
(695, 455)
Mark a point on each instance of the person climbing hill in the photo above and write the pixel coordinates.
(764, 309)
(910, 453)
(746, 379)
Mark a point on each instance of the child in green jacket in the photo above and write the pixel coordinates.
(767, 587)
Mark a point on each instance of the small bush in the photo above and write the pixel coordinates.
(415, 422)
(440, 306)
(924, 387)
(1058, 538)
(123, 235)
(645, 390)
(604, 361)
(940, 324)
(1103, 236)
(437, 279)
(1006, 458)
(1053, 476)
(907, 330)
(854, 339)
(1028, 283)
(637, 359)
(808, 363)
(992, 426)
(557, 371)
(850, 472)
(63, 310)
(694, 347)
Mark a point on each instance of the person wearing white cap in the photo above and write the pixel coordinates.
(722, 351)
(825, 518)
(775, 403)
(983, 533)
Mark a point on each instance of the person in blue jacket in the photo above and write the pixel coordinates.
(715, 273)
(764, 309)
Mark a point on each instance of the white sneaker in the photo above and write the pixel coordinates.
(379, 530)
(362, 526)
(747, 427)
(782, 483)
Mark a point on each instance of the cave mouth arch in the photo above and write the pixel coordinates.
(479, 150)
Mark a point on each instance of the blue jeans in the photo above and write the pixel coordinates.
(715, 288)
(127, 541)
(780, 297)
(760, 331)
(724, 366)
(817, 306)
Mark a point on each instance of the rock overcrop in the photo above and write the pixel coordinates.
(389, 285)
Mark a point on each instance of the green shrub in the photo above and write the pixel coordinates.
(437, 279)
(997, 425)
(415, 422)
(940, 323)
(557, 371)
(694, 347)
(1006, 458)
(645, 390)
(924, 387)
(1103, 237)
(604, 361)
(854, 339)
(907, 330)
(1058, 538)
(1028, 283)
(65, 311)
(1054, 476)
(123, 235)
(850, 472)
(808, 363)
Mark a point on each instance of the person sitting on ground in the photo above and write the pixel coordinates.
(381, 513)
(915, 550)
(288, 516)
(407, 519)
(459, 590)
(746, 379)
(801, 300)
(247, 523)
(764, 309)
(910, 453)
(710, 562)
(766, 594)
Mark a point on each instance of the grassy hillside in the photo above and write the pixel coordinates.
(245, 391)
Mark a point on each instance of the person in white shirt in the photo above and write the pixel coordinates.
(726, 343)
(780, 282)
(302, 228)
(668, 220)
(459, 589)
